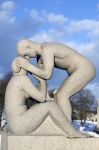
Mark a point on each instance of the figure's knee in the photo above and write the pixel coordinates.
(93, 71)
(90, 70)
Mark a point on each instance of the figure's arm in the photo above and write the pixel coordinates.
(48, 62)
(38, 94)
(41, 66)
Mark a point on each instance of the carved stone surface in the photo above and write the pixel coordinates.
(48, 128)
(20, 87)
(27, 142)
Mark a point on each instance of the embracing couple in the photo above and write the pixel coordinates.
(49, 55)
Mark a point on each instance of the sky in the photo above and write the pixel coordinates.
(71, 22)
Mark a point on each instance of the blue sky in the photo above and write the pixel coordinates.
(72, 22)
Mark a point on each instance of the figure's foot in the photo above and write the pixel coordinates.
(78, 134)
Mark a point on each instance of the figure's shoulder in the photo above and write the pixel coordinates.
(48, 44)
(48, 47)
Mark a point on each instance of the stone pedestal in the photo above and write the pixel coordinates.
(47, 137)
(50, 143)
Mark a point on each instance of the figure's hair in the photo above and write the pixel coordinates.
(14, 66)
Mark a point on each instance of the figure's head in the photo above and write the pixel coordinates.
(27, 48)
(16, 69)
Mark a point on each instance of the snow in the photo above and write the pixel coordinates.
(93, 134)
(87, 128)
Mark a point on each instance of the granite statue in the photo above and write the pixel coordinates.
(24, 121)
(80, 70)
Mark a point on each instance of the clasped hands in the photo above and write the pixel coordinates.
(25, 64)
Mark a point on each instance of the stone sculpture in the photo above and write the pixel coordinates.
(21, 120)
(20, 87)
(80, 70)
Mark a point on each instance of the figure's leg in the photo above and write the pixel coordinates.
(72, 84)
(33, 118)
(61, 120)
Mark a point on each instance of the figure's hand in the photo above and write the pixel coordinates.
(23, 63)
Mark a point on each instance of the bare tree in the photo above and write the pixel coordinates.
(84, 102)
(3, 84)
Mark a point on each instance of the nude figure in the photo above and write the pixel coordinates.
(23, 121)
(80, 70)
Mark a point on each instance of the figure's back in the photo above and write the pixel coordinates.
(60, 49)
(14, 96)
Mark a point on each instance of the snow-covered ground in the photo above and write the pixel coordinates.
(88, 127)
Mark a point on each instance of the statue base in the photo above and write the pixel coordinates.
(31, 142)
(47, 137)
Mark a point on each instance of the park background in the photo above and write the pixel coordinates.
(71, 22)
